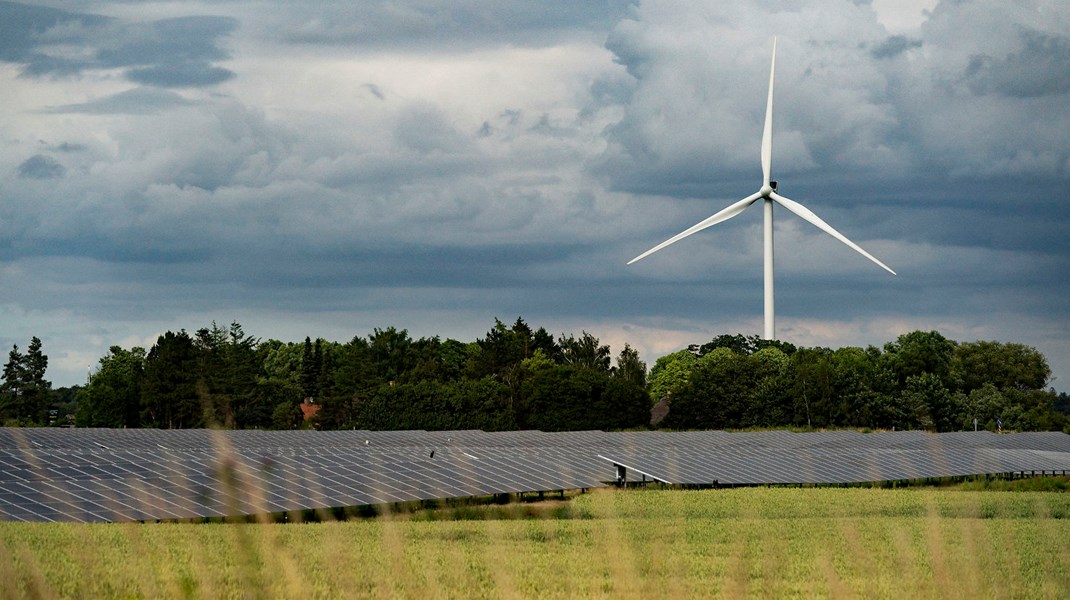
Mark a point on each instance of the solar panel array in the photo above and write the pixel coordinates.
(53, 474)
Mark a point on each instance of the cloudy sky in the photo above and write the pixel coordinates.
(324, 168)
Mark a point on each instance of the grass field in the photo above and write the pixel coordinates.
(758, 542)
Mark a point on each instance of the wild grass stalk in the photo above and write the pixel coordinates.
(803, 542)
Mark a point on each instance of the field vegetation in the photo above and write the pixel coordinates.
(763, 542)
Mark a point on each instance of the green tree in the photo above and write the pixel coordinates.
(170, 398)
(986, 404)
(929, 404)
(227, 371)
(391, 353)
(717, 393)
(36, 389)
(501, 350)
(920, 352)
(812, 386)
(585, 352)
(862, 388)
(671, 372)
(287, 415)
(1006, 366)
(630, 367)
(742, 345)
(113, 396)
(563, 398)
(309, 369)
(279, 379)
(25, 392)
(12, 388)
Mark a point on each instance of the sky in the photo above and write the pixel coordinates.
(326, 168)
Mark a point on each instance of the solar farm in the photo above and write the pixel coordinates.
(114, 475)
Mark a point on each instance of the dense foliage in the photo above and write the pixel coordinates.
(515, 377)
(922, 380)
(518, 377)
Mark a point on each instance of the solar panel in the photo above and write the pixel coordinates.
(141, 474)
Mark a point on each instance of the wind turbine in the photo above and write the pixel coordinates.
(768, 195)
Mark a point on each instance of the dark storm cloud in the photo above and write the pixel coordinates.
(41, 166)
(177, 52)
(1038, 68)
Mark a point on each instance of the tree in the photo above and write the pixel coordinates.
(279, 380)
(287, 415)
(742, 345)
(170, 398)
(35, 387)
(391, 353)
(14, 378)
(812, 386)
(585, 352)
(226, 376)
(309, 370)
(929, 404)
(630, 368)
(717, 393)
(25, 392)
(1006, 366)
(920, 352)
(986, 404)
(670, 372)
(564, 398)
(113, 396)
(501, 350)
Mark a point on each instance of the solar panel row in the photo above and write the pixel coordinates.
(122, 475)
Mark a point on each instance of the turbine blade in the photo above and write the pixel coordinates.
(807, 215)
(767, 133)
(724, 215)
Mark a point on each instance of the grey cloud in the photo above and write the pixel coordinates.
(173, 52)
(185, 74)
(69, 147)
(41, 166)
(177, 52)
(23, 27)
(460, 23)
(425, 129)
(1038, 68)
(894, 46)
(138, 101)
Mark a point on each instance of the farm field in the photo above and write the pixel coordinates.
(761, 542)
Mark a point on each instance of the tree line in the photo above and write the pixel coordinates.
(519, 377)
(922, 380)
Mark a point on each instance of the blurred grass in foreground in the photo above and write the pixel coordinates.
(764, 542)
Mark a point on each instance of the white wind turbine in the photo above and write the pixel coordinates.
(768, 194)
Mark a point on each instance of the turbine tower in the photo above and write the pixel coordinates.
(768, 195)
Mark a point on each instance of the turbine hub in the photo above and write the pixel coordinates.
(766, 190)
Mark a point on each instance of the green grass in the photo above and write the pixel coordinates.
(760, 542)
